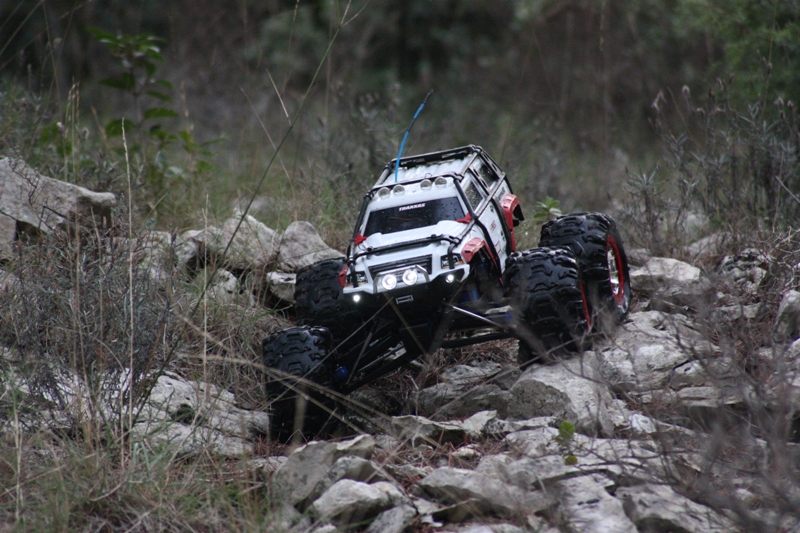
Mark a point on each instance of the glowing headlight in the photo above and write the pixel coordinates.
(410, 277)
(389, 282)
(356, 298)
(450, 278)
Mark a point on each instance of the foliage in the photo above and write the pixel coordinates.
(138, 56)
(756, 36)
(566, 439)
(547, 210)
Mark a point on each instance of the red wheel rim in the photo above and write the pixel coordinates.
(616, 272)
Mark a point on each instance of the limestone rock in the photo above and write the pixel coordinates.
(163, 254)
(586, 507)
(646, 349)
(659, 508)
(478, 493)
(419, 429)
(638, 256)
(661, 272)
(351, 467)
(479, 398)
(685, 297)
(225, 289)
(31, 202)
(394, 520)
(707, 247)
(348, 501)
(253, 246)
(746, 269)
(281, 285)
(787, 322)
(297, 479)
(191, 439)
(302, 246)
(568, 391)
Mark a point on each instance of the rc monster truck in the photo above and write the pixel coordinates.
(433, 263)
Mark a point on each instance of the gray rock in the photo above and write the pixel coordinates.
(417, 429)
(163, 254)
(475, 426)
(190, 439)
(302, 246)
(498, 428)
(253, 246)
(30, 201)
(684, 298)
(394, 520)
(661, 272)
(478, 493)
(746, 269)
(201, 404)
(736, 312)
(479, 398)
(348, 502)
(281, 285)
(659, 508)
(787, 322)
(568, 391)
(351, 467)
(585, 507)
(463, 375)
(707, 247)
(638, 256)
(490, 528)
(429, 400)
(646, 349)
(297, 479)
(225, 289)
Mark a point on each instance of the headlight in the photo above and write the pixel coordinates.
(457, 260)
(389, 282)
(410, 277)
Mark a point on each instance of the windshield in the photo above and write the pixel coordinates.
(413, 216)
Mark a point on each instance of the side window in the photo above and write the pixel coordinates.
(473, 194)
(485, 173)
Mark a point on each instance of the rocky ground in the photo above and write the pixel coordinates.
(667, 424)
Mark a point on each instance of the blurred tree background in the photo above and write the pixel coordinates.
(562, 93)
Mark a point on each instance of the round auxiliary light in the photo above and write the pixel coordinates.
(398, 190)
(440, 182)
(410, 277)
(389, 282)
(384, 192)
(356, 298)
(425, 185)
(450, 278)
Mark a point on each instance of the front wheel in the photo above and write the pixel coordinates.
(598, 248)
(299, 370)
(548, 302)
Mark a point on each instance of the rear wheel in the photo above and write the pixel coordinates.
(597, 245)
(548, 302)
(298, 371)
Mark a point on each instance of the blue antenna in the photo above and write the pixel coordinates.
(403, 144)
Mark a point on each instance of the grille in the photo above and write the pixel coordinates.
(424, 262)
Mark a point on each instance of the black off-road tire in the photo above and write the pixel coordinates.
(548, 302)
(597, 245)
(319, 300)
(298, 352)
